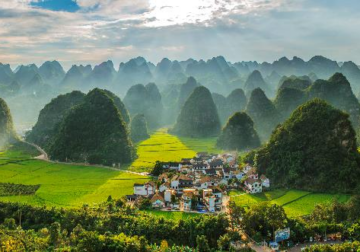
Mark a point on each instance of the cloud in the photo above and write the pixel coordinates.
(178, 29)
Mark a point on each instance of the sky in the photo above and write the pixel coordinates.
(92, 31)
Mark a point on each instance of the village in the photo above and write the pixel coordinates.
(199, 183)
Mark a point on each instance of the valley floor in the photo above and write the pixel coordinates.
(65, 185)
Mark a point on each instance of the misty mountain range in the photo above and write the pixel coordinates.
(217, 74)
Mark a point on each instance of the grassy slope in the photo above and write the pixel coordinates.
(295, 202)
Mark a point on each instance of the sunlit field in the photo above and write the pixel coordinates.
(295, 202)
(161, 146)
(64, 185)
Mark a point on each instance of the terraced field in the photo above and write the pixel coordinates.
(295, 202)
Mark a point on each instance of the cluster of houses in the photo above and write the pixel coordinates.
(199, 183)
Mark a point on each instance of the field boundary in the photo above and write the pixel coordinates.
(301, 197)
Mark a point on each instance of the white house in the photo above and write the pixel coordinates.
(144, 189)
(265, 181)
(253, 185)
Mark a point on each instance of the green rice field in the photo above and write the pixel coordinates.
(161, 146)
(295, 202)
(63, 185)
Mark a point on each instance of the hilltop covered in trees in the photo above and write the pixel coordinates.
(198, 117)
(51, 116)
(315, 149)
(239, 134)
(93, 132)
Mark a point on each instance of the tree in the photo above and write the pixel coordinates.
(202, 244)
(276, 217)
(158, 169)
(236, 214)
(55, 229)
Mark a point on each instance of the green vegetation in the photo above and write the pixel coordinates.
(295, 202)
(201, 144)
(120, 105)
(161, 146)
(263, 112)
(239, 134)
(111, 226)
(139, 130)
(7, 132)
(198, 117)
(9, 189)
(336, 91)
(51, 116)
(306, 205)
(171, 215)
(63, 185)
(348, 246)
(101, 138)
(315, 149)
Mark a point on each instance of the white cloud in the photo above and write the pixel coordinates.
(178, 29)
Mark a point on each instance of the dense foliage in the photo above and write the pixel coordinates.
(7, 132)
(139, 131)
(315, 149)
(9, 189)
(51, 116)
(109, 227)
(263, 113)
(120, 105)
(239, 134)
(198, 117)
(93, 132)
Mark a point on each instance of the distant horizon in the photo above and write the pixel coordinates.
(117, 63)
